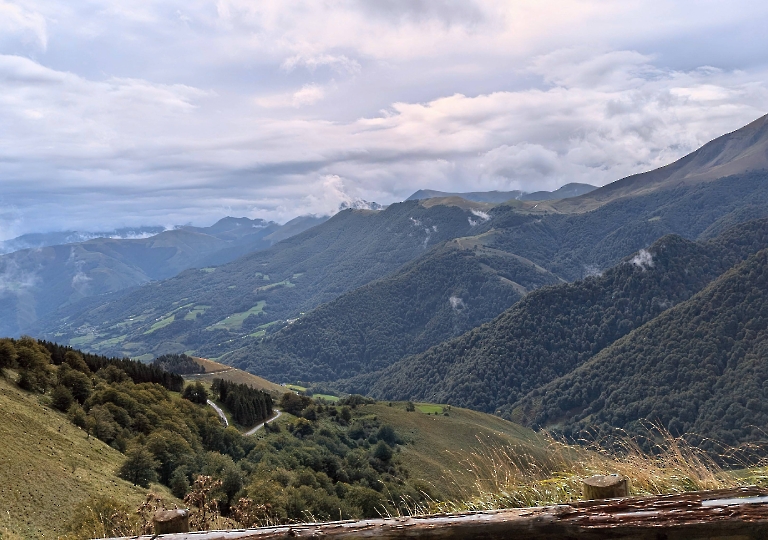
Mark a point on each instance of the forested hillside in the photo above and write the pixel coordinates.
(351, 459)
(214, 311)
(206, 310)
(699, 368)
(450, 290)
(554, 330)
(573, 246)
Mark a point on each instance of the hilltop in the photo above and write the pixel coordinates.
(739, 152)
(568, 190)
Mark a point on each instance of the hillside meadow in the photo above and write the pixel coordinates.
(49, 466)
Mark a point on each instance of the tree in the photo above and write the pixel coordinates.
(382, 451)
(75, 360)
(139, 467)
(179, 483)
(294, 403)
(196, 393)
(78, 383)
(7, 355)
(61, 398)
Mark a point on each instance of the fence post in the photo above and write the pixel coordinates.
(610, 486)
(171, 521)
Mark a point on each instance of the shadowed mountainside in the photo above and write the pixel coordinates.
(555, 330)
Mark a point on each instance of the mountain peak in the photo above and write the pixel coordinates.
(738, 152)
(360, 204)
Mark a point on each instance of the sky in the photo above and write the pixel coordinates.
(146, 112)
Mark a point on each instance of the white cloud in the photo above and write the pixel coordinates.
(155, 111)
(643, 259)
(340, 63)
(26, 24)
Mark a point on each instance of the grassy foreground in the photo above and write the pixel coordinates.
(48, 466)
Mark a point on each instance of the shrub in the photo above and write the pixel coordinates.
(61, 398)
(139, 467)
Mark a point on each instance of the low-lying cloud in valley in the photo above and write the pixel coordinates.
(170, 112)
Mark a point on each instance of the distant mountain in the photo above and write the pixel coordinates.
(360, 204)
(35, 282)
(742, 151)
(215, 310)
(233, 307)
(477, 196)
(699, 368)
(38, 240)
(295, 226)
(568, 190)
(555, 330)
(450, 290)
(565, 192)
(351, 333)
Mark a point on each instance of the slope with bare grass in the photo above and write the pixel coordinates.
(216, 370)
(48, 466)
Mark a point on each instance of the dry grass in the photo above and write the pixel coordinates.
(216, 370)
(509, 476)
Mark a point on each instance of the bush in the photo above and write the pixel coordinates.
(61, 398)
(382, 451)
(294, 403)
(139, 467)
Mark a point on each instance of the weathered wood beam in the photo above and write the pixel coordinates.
(740, 514)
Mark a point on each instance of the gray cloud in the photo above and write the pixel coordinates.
(170, 112)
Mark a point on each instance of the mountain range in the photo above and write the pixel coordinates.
(509, 307)
(38, 280)
(564, 192)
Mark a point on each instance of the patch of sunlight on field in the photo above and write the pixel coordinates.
(162, 323)
(235, 321)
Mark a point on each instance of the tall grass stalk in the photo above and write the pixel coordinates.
(513, 477)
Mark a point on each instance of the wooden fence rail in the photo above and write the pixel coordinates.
(738, 514)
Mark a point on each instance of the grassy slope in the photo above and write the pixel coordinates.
(437, 445)
(49, 466)
(215, 370)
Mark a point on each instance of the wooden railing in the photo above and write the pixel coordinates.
(738, 514)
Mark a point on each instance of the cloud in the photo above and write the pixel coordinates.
(170, 112)
(340, 63)
(643, 259)
(27, 25)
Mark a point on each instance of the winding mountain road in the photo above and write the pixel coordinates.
(251, 431)
(220, 413)
(258, 427)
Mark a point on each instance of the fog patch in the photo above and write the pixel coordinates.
(457, 303)
(482, 217)
(643, 259)
(14, 279)
(592, 270)
(80, 279)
